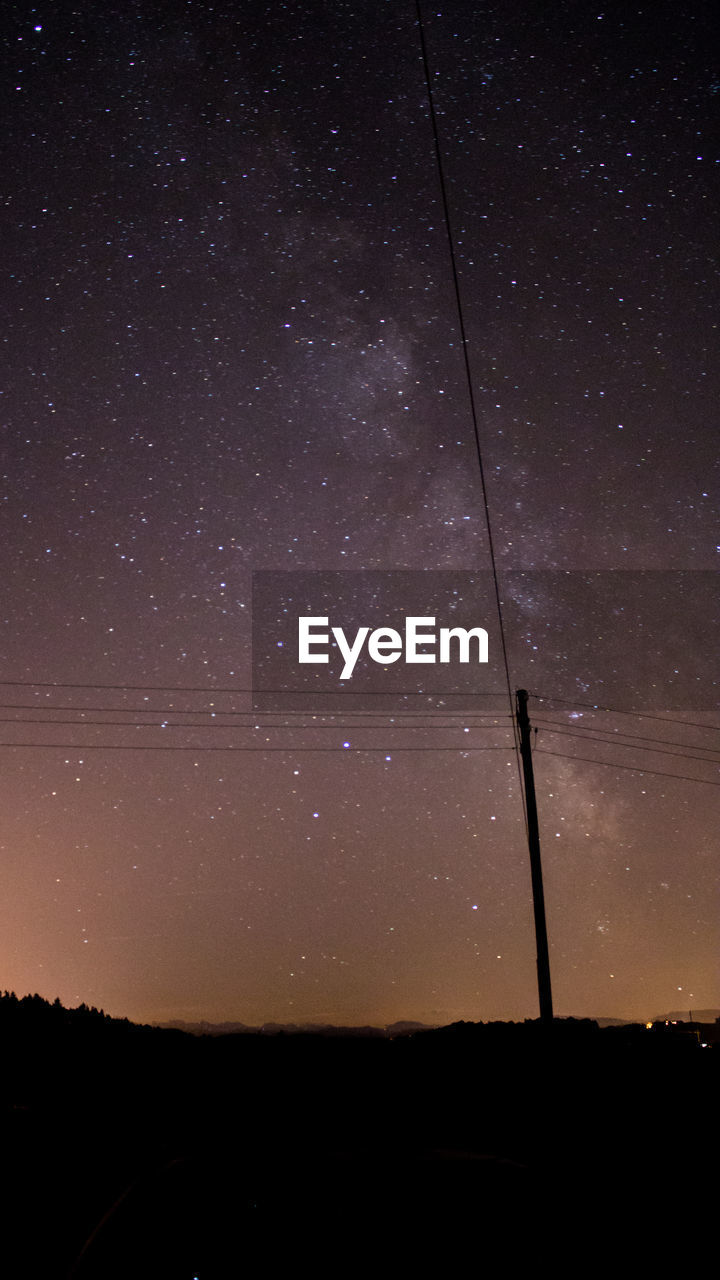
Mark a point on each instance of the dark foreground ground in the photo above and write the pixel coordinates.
(475, 1150)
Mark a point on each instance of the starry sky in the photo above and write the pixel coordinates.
(231, 344)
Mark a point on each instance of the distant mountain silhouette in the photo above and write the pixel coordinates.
(292, 1028)
(613, 1022)
(698, 1015)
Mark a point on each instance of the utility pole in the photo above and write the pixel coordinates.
(543, 958)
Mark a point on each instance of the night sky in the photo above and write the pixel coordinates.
(231, 343)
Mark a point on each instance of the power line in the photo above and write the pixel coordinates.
(128, 688)
(341, 750)
(637, 737)
(293, 728)
(246, 690)
(468, 374)
(646, 715)
(629, 746)
(199, 711)
(611, 764)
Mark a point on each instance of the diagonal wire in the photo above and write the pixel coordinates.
(630, 768)
(469, 380)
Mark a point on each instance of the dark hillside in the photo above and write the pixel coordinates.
(188, 1156)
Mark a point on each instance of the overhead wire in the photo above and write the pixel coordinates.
(256, 724)
(245, 711)
(623, 733)
(613, 764)
(469, 381)
(251, 690)
(629, 746)
(287, 750)
(624, 711)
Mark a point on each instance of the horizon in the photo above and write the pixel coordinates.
(675, 1015)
